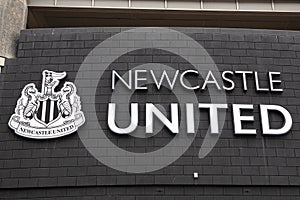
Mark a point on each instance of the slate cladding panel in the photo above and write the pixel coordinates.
(235, 160)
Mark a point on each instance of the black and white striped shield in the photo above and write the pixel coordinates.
(48, 111)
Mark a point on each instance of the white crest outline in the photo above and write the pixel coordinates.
(25, 121)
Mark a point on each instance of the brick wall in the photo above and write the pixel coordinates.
(236, 166)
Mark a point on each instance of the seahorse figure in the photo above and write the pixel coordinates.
(64, 101)
(32, 104)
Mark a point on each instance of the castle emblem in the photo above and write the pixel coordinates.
(50, 113)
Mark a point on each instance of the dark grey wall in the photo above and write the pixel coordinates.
(238, 165)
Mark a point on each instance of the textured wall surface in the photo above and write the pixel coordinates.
(254, 166)
(13, 19)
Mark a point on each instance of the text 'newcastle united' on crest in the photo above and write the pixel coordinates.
(48, 114)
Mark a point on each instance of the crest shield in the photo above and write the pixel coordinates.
(48, 111)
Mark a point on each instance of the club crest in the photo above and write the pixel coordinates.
(49, 113)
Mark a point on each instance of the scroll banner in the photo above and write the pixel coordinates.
(26, 130)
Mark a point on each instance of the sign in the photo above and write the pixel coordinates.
(48, 114)
(139, 79)
(56, 111)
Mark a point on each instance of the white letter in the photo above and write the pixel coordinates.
(257, 83)
(272, 81)
(190, 118)
(266, 124)
(244, 78)
(172, 126)
(182, 82)
(112, 118)
(164, 74)
(137, 79)
(228, 80)
(236, 108)
(213, 115)
(128, 85)
(214, 81)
